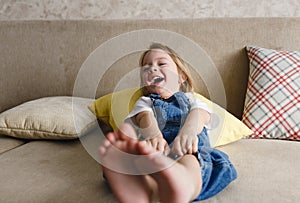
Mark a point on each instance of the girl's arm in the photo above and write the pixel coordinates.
(150, 130)
(187, 140)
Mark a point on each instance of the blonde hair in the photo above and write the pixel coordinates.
(182, 67)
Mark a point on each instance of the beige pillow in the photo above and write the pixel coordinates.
(59, 117)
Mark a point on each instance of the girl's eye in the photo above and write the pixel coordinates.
(162, 64)
(146, 68)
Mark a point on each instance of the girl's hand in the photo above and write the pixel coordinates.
(150, 131)
(186, 141)
(158, 143)
(185, 144)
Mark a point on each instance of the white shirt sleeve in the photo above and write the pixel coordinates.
(142, 104)
(197, 103)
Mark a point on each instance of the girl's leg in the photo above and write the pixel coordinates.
(178, 182)
(126, 188)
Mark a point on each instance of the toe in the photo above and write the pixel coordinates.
(127, 132)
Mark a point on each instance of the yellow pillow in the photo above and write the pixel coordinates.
(114, 107)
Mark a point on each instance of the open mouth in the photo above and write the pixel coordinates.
(158, 79)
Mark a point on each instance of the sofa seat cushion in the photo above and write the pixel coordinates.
(8, 143)
(264, 168)
(63, 171)
(51, 171)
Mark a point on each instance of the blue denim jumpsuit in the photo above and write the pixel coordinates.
(217, 170)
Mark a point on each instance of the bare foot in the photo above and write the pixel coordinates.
(178, 182)
(118, 166)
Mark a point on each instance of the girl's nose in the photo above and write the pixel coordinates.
(154, 68)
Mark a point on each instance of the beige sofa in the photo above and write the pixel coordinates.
(43, 58)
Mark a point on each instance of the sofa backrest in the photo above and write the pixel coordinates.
(44, 58)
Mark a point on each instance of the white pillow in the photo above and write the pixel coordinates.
(59, 117)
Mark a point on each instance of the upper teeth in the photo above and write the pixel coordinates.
(157, 79)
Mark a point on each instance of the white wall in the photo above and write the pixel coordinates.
(147, 9)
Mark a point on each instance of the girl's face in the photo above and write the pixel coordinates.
(160, 74)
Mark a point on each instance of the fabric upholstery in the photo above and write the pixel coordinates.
(48, 118)
(273, 97)
(61, 47)
(48, 173)
(43, 58)
(8, 143)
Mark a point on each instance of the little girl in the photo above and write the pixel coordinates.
(173, 122)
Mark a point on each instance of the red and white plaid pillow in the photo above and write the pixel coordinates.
(272, 104)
